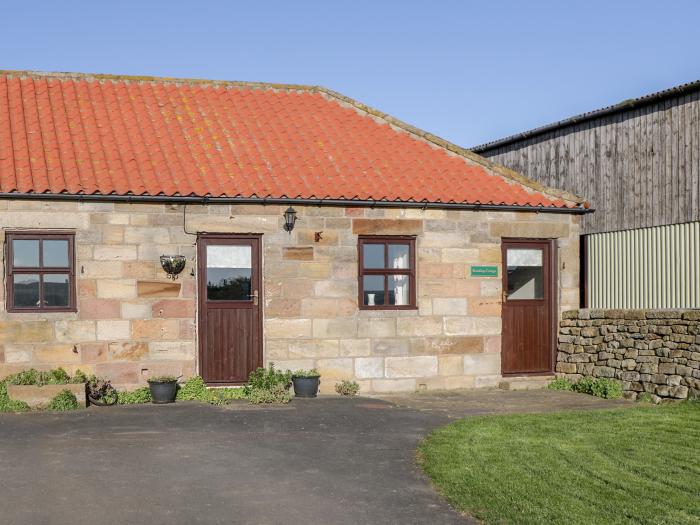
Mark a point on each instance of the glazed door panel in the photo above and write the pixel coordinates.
(527, 307)
(230, 329)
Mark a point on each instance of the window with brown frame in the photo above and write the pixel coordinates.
(387, 272)
(40, 272)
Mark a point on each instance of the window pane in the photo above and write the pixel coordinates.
(373, 290)
(399, 290)
(56, 289)
(398, 256)
(373, 255)
(25, 253)
(25, 290)
(525, 274)
(229, 271)
(56, 253)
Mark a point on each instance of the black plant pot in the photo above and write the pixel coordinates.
(162, 393)
(306, 386)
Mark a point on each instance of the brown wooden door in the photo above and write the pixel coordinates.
(528, 307)
(230, 330)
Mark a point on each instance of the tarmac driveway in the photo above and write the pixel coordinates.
(322, 461)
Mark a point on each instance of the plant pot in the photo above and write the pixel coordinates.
(306, 386)
(162, 393)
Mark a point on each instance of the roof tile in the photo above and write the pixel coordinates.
(89, 134)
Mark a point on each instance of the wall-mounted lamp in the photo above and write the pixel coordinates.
(290, 217)
(172, 264)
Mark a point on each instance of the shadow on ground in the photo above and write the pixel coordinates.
(322, 461)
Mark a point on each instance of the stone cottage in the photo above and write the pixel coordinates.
(315, 232)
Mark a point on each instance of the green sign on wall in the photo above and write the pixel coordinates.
(484, 271)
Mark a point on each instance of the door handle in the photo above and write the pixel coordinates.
(504, 296)
(254, 295)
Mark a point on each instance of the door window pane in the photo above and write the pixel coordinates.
(229, 273)
(525, 273)
(399, 290)
(398, 256)
(373, 287)
(25, 290)
(56, 290)
(373, 255)
(56, 253)
(25, 253)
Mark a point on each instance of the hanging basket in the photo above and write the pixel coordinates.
(173, 265)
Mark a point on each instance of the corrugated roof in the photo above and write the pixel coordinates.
(625, 105)
(76, 134)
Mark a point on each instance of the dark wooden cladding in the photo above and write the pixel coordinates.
(529, 324)
(230, 331)
(638, 167)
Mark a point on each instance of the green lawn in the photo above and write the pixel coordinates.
(635, 465)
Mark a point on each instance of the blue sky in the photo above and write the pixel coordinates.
(467, 71)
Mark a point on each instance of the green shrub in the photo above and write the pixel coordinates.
(194, 389)
(607, 388)
(561, 383)
(306, 373)
(584, 385)
(263, 379)
(268, 386)
(57, 376)
(645, 397)
(134, 397)
(347, 388)
(64, 400)
(276, 394)
(10, 405)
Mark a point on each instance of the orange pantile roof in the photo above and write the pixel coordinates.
(63, 133)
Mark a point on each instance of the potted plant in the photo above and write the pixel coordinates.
(306, 382)
(163, 389)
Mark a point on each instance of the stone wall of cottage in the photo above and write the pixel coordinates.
(133, 322)
(653, 351)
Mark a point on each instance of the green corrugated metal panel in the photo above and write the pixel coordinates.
(655, 267)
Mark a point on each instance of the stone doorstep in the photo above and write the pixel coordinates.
(41, 396)
(526, 382)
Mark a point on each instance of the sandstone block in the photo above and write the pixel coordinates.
(460, 255)
(90, 308)
(154, 329)
(75, 331)
(376, 327)
(450, 365)
(355, 347)
(393, 385)
(115, 253)
(449, 306)
(127, 351)
(387, 226)
(305, 348)
(148, 289)
(390, 347)
(418, 326)
(482, 364)
(174, 308)
(334, 328)
(335, 368)
(423, 366)
(472, 325)
(113, 329)
(172, 350)
(369, 367)
(298, 253)
(135, 310)
(116, 289)
(59, 354)
(288, 328)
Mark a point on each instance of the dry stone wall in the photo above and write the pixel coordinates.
(654, 351)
